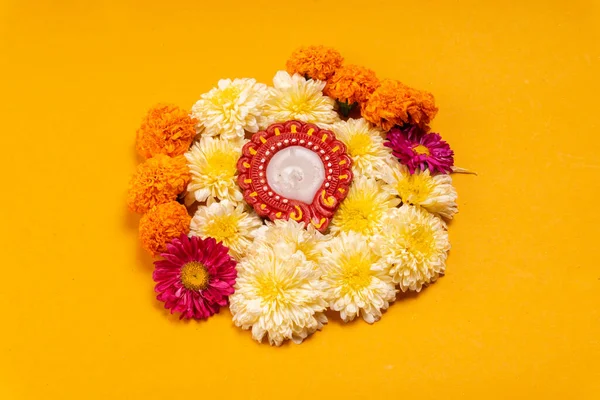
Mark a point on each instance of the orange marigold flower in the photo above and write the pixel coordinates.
(162, 224)
(157, 180)
(352, 84)
(394, 103)
(316, 62)
(166, 129)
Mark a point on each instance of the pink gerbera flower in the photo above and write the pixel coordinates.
(195, 277)
(417, 149)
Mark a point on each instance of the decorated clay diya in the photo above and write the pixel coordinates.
(295, 170)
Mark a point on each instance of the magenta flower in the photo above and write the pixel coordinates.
(195, 278)
(417, 149)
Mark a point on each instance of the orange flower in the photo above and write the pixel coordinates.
(394, 103)
(352, 84)
(157, 180)
(166, 129)
(162, 224)
(316, 62)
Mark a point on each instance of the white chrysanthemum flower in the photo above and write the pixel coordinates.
(228, 223)
(364, 144)
(291, 233)
(415, 245)
(294, 97)
(363, 209)
(434, 193)
(279, 295)
(230, 109)
(357, 282)
(213, 166)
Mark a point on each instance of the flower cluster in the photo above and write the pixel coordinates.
(157, 180)
(166, 129)
(230, 109)
(393, 103)
(351, 85)
(162, 224)
(419, 150)
(314, 62)
(271, 200)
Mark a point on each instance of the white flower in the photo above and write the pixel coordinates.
(291, 233)
(213, 166)
(357, 282)
(278, 295)
(363, 209)
(364, 144)
(415, 245)
(434, 193)
(294, 97)
(230, 108)
(227, 223)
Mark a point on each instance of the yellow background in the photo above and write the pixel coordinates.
(516, 316)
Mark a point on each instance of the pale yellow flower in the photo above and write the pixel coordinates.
(213, 166)
(295, 98)
(363, 209)
(434, 193)
(291, 233)
(357, 282)
(230, 109)
(228, 223)
(364, 144)
(279, 295)
(415, 245)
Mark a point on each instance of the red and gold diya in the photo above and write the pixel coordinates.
(295, 170)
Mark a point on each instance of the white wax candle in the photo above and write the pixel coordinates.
(296, 173)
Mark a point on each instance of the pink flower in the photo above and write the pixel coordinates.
(417, 149)
(195, 277)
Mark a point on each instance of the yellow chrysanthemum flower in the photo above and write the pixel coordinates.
(362, 211)
(434, 193)
(230, 109)
(357, 282)
(365, 145)
(308, 240)
(278, 294)
(213, 165)
(228, 223)
(415, 245)
(294, 97)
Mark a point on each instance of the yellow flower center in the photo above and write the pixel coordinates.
(221, 164)
(270, 290)
(415, 189)
(223, 228)
(356, 273)
(420, 241)
(356, 215)
(300, 106)
(420, 149)
(308, 249)
(226, 96)
(359, 144)
(194, 276)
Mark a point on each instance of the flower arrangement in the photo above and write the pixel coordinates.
(326, 192)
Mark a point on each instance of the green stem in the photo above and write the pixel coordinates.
(345, 108)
